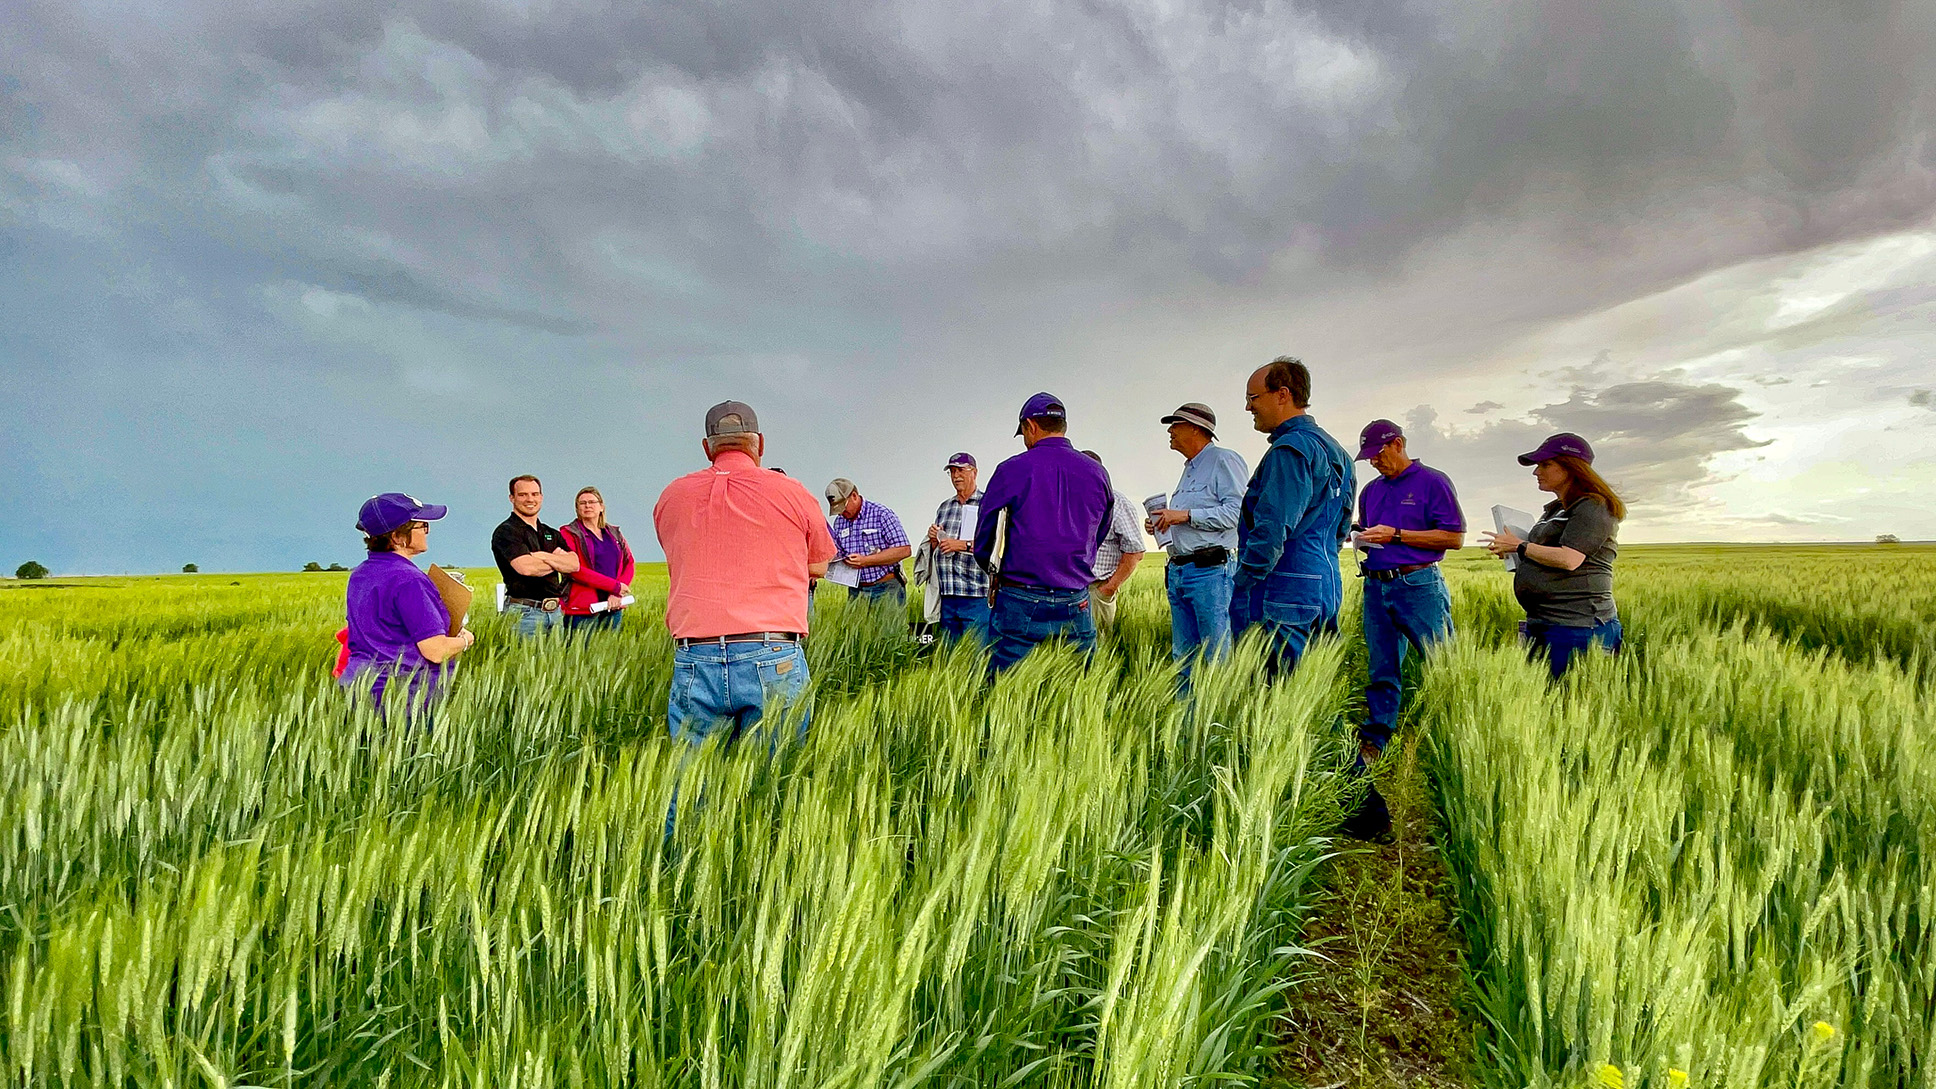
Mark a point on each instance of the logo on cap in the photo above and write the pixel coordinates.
(1042, 406)
(1374, 437)
(1565, 443)
(961, 461)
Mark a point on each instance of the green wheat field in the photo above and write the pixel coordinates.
(1710, 861)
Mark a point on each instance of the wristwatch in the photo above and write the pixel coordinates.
(1521, 550)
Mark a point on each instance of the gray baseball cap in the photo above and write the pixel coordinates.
(731, 418)
(1197, 414)
(838, 489)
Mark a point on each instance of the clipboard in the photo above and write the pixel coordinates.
(456, 595)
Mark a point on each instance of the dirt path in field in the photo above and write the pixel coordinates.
(1387, 1007)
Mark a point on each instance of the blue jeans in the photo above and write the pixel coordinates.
(534, 621)
(1289, 607)
(1410, 611)
(731, 686)
(880, 592)
(1559, 644)
(964, 617)
(594, 622)
(1026, 615)
(1199, 610)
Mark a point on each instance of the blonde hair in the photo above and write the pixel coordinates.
(589, 490)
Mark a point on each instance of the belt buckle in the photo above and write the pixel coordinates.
(549, 605)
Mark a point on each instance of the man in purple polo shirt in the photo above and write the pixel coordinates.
(1053, 506)
(1411, 512)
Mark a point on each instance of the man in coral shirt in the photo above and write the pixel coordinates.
(741, 545)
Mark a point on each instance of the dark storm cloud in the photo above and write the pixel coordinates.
(1653, 439)
(848, 202)
(490, 157)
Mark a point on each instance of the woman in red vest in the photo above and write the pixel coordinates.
(604, 575)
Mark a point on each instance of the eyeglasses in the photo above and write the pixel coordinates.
(415, 526)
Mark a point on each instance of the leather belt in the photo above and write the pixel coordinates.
(1391, 573)
(549, 604)
(741, 637)
(1214, 556)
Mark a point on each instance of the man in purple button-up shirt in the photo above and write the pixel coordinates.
(1411, 513)
(1056, 505)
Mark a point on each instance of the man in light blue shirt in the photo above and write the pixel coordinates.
(1201, 518)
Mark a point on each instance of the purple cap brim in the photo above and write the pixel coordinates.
(1564, 444)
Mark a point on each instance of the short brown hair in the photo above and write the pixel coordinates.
(1289, 372)
(1582, 481)
(512, 487)
(387, 542)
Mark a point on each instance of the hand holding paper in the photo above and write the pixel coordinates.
(1516, 522)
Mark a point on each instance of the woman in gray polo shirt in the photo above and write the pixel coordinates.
(1565, 576)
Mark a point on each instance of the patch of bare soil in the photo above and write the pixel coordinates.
(1385, 1010)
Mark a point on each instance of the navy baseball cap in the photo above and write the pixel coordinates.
(1565, 443)
(394, 510)
(1374, 437)
(1042, 406)
(961, 461)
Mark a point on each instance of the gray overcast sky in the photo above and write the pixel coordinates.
(258, 262)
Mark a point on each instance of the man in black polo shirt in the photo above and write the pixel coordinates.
(533, 559)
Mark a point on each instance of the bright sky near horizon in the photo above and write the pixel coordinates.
(258, 262)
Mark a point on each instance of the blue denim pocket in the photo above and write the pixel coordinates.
(1291, 614)
(783, 672)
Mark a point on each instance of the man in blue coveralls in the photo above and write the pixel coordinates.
(1295, 515)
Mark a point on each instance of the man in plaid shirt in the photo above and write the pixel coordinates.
(958, 576)
(1117, 554)
(870, 540)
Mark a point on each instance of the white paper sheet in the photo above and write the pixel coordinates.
(840, 574)
(970, 517)
(1518, 522)
(1159, 501)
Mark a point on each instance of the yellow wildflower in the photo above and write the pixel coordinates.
(1823, 1031)
(1676, 1078)
(1611, 1077)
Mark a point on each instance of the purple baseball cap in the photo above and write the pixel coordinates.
(961, 461)
(1565, 443)
(394, 510)
(1042, 406)
(1374, 437)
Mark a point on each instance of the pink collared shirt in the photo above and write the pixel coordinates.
(737, 540)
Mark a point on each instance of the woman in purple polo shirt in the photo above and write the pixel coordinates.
(397, 620)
